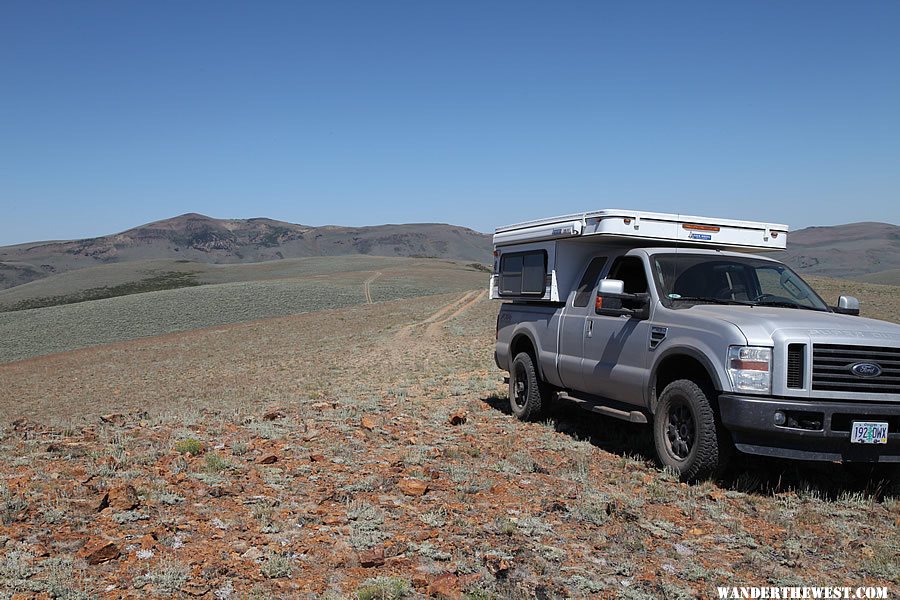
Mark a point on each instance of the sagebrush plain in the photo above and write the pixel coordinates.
(367, 451)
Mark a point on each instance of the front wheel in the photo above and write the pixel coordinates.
(526, 391)
(685, 432)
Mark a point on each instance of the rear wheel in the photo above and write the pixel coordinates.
(526, 391)
(686, 434)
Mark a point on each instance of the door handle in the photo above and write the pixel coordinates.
(590, 330)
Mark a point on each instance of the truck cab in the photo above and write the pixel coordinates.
(716, 348)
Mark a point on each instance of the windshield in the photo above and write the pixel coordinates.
(695, 278)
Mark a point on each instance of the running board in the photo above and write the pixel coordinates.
(633, 416)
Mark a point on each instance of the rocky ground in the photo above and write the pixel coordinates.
(368, 453)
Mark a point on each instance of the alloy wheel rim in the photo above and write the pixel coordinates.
(680, 431)
(520, 387)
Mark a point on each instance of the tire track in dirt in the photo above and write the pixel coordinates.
(471, 298)
(433, 322)
(367, 287)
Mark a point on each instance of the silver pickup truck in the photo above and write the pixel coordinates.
(716, 350)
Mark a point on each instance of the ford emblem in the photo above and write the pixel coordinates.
(865, 369)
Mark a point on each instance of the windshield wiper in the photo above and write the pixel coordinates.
(707, 299)
(783, 304)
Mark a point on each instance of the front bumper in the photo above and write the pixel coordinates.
(815, 429)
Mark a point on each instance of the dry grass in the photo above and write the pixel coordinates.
(877, 301)
(567, 507)
(322, 284)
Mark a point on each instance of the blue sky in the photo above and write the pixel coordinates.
(118, 113)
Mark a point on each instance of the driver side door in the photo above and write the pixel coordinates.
(616, 347)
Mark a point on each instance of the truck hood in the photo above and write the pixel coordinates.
(760, 324)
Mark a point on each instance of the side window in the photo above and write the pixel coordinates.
(781, 284)
(630, 269)
(769, 281)
(589, 281)
(523, 273)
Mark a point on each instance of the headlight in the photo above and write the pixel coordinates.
(750, 368)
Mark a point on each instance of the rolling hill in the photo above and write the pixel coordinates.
(863, 251)
(58, 316)
(198, 238)
(853, 251)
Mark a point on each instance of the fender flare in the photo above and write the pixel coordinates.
(524, 331)
(690, 352)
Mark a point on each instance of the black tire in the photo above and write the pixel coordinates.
(686, 433)
(526, 390)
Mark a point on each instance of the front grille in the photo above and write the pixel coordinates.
(795, 361)
(832, 363)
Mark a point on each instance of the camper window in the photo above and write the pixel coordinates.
(523, 273)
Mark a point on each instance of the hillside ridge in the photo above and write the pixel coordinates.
(860, 250)
(849, 251)
(199, 238)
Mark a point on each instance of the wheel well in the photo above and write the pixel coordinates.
(522, 343)
(679, 366)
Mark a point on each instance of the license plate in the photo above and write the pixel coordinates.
(865, 432)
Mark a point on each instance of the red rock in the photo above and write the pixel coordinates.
(273, 415)
(395, 550)
(497, 565)
(268, 460)
(334, 520)
(100, 552)
(253, 553)
(412, 487)
(446, 586)
(114, 418)
(369, 422)
(196, 589)
(120, 498)
(459, 417)
(316, 457)
(372, 558)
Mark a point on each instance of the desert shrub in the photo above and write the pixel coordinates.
(11, 505)
(190, 446)
(166, 578)
(277, 566)
(217, 464)
(384, 588)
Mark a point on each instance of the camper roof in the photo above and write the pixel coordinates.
(634, 225)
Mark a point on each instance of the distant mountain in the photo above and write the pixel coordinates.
(853, 251)
(195, 237)
(865, 251)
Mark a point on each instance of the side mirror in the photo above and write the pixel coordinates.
(847, 305)
(614, 302)
(611, 286)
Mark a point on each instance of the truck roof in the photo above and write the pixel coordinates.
(638, 227)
